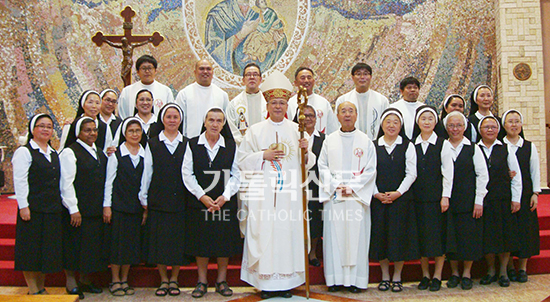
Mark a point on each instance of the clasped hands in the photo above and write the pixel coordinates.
(213, 205)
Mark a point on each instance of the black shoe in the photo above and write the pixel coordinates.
(512, 275)
(466, 283)
(90, 288)
(75, 291)
(522, 276)
(488, 279)
(285, 294)
(335, 288)
(266, 295)
(354, 289)
(435, 285)
(424, 283)
(503, 281)
(314, 262)
(453, 281)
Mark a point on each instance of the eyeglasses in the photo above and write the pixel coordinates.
(252, 75)
(113, 102)
(134, 131)
(147, 69)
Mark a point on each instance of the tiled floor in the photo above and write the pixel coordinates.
(536, 290)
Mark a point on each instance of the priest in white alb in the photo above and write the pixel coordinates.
(247, 108)
(326, 119)
(198, 97)
(269, 158)
(347, 172)
(370, 104)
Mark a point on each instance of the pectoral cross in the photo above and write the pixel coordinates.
(127, 43)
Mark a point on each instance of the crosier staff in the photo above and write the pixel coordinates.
(302, 103)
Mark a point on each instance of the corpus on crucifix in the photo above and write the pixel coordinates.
(127, 43)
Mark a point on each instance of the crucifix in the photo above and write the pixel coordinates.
(127, 43)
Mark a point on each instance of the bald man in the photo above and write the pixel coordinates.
(347, 174)
(198, 97)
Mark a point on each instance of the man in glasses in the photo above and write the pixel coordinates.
(247, 108)
(369, 103)
(146, 67)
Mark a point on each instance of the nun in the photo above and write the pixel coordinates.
(529, 174)
(163, 192)
(83, 169)
(394, 233)
(432, 190)
(121, 206)
(481, 101)
(88, 105)
(454, 102)
(36, 176)
(502, 200)
(109, 100)
(465, 228)
(211, 174)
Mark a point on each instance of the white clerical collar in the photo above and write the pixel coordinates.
(162, 137)
(35, 146)
(412, 104)
(203, 87)
(382, 142)
(92, 149)
(124, 151)
(147, 85)
(204, 141)
(361, 93)
(254, 94)
(277, 123)
(480, 116)
(432, 139)
(349, 133)
(518, 144)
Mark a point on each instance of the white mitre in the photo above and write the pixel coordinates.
(276, 85)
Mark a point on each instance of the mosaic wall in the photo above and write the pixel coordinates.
(49, 58)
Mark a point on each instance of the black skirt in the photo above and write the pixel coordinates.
(464, 237)
(125, 238)
(38, 244)
(315, 218)
(432, 225)
(84, 247)
(499, 227)
(166, 238)
(394, 233)
(528, 230)
(213, 234)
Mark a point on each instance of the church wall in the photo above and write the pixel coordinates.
(451, 46)
(519, 40)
